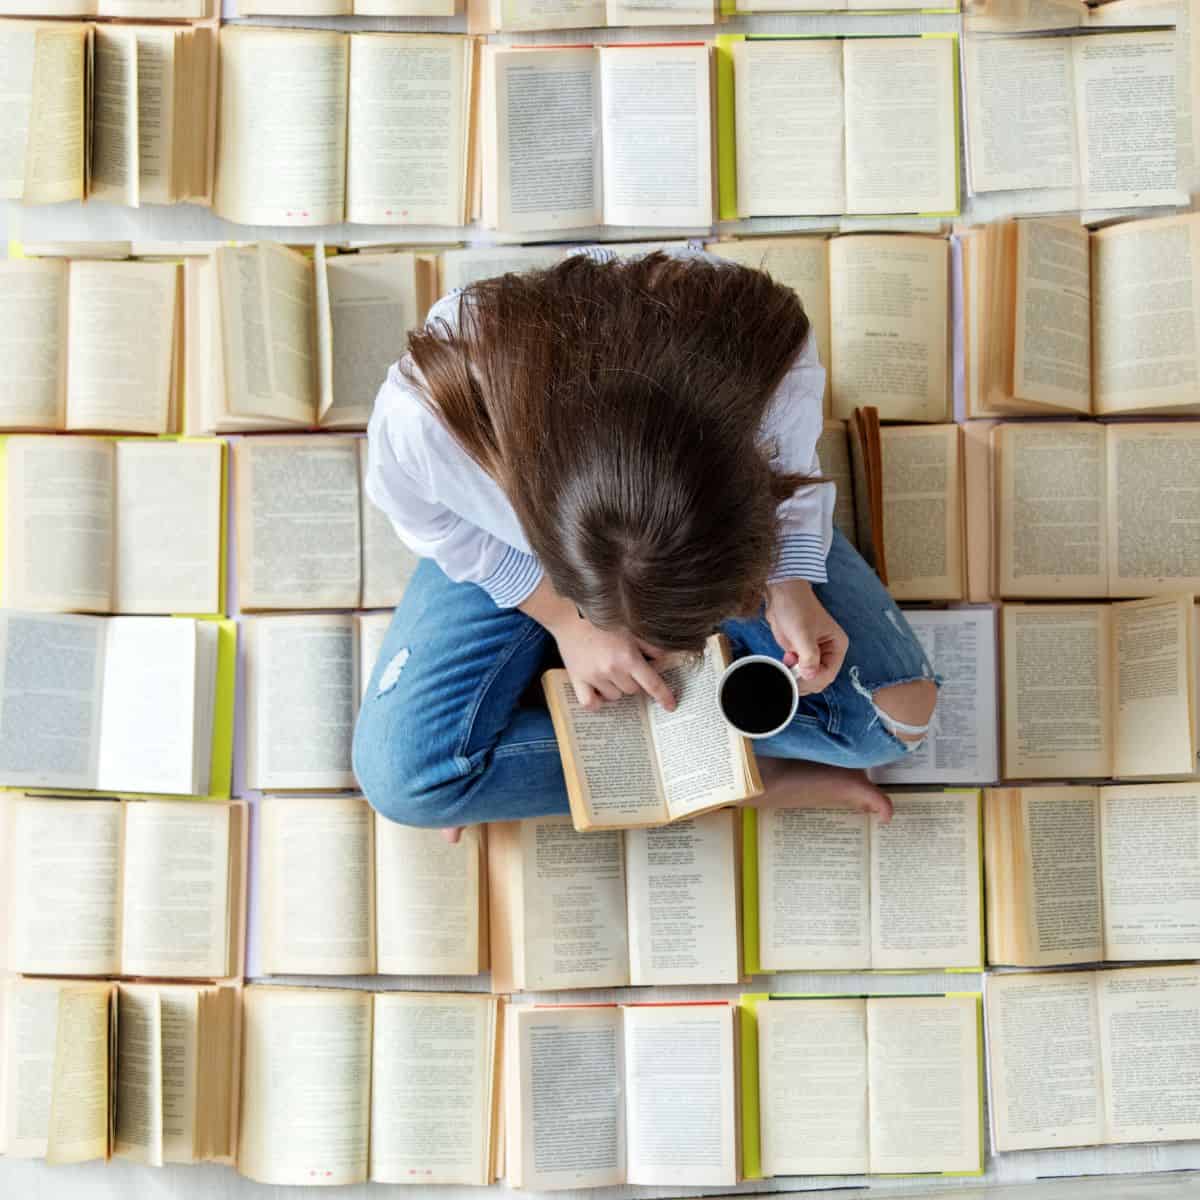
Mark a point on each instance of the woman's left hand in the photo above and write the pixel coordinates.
(812, 640)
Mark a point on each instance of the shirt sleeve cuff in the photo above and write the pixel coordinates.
(516, 576)
(801, 556)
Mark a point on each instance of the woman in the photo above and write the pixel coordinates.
(614, 458)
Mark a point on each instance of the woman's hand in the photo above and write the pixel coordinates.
(813, 641)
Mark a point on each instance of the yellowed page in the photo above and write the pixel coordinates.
(673, 1052)
(33, 341)
(54, 151)
(179, 10)
(889, 312)
(814, 908)
(79, 1098)
(281, 138)
(30, 1036)
(901, 157)
(1151, 870)
(427, 900)
(115, 116)
(407, 83)
(923, 500)
(1058, 698)
(18, 50)
(159, 91)
(1152, 681)
(387, 563)
(59, 524)
(1051, 503)
(121, 335)
(181, 1068)
(306, 1085)
(1052, 355)
(790, 127)
(923, 1058)
(812, 1086)
(431, 1088)
(833, 450)
(314, 860)
(300, 8)
(660, 12)
(138, 1102)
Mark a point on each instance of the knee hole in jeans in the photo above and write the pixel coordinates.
(903, 709)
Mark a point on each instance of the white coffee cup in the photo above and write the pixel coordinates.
(747, 703)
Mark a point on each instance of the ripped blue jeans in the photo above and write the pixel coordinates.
(448, 734)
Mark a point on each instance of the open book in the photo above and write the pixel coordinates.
(148, 1072)
(879, 306)
(1084, 874)
(138, 10)
(111, 704)
(307, 534)
(1097, 95)
(349, 8)
(88, 345)
(519, 16)
(855, 1085)
(1062, 320)
(346, 892)
(578, 136)
(612, 909)
(1095, 510)
(318, 127)
(1088, 1058)
(636, 1094)
(108, 526)
(836, 890)
(824, 125)
(304, 676)
(1097, 690)
(346, 1086)
(134, 888)
(280, 338)
(630, 763)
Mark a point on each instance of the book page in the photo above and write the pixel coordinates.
(302, 697)
(923, 499)
(81, 1085)
(547, 139)
(138, 1102)
(387, 563)
(407, 137)
(814, 907)
(1125, 105)
(682, 886)
(657, 138)
(1146, 317)
(1153, 681)
(176, 919)
(181, 1068)
(1052, 355)
(314, 861)
(1058, 696)
(30, 1035)
(121, 333)
(1151, 871)
(282, 129)
(1149, 1021)
(18, 50)
(812, 1086)
(33, 339)
(169, 518)
(115, 116)
(59, 534)
(1020, 105)
(427, 900)
(157, 93)
(51, 676)
(901, 148)
(680, 1100)
(1062, 874)
(306, 1085)
(431, 1088)
(833, 450)
(65, 898)
(1044, 1060)
(889, 313)
(1051, 501)
(521, 15)
(1153, 517)
(568, 1066)
(574, 907)
(56, 141)
(297, 522)
(923, 1058)
(789, 127)
(925, 883)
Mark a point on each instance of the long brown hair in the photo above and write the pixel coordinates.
(619, 407)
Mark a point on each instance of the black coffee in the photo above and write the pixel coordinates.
(756, 698)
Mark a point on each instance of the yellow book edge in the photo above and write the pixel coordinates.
(729, 8)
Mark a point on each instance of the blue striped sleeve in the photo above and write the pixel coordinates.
(801, 556)
(514, 578)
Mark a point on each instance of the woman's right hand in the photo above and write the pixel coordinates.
(606, 666)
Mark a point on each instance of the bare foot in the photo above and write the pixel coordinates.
(791, 783)
(452, 834)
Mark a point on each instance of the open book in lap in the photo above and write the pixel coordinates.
(613, 909)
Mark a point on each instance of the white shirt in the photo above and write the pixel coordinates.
(444, 506)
